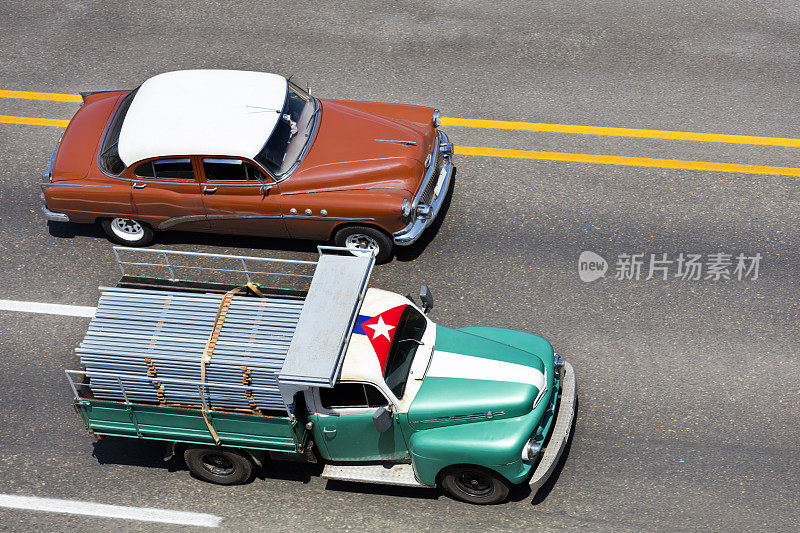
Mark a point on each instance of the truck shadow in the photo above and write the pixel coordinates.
(135, 452)
(289, 470)
(383, 490)
(544, 490)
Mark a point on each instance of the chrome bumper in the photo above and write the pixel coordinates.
(560, 435)
(52, 215)
(414, 229)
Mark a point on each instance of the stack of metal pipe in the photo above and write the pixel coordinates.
(161, 335)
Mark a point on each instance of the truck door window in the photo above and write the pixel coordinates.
(349, 395)
(230, 170)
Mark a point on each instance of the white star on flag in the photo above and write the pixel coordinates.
(381, 329)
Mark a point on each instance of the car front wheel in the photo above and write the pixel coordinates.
(363, 240)
(128, 231)
(474, 484)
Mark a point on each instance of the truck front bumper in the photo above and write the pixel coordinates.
(565, 413)
(425, 214)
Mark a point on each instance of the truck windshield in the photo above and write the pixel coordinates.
(290, 136)
(410, 329)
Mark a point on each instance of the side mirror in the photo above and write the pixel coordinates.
(382, 418)
(426, 297)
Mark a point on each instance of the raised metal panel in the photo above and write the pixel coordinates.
(326, 321)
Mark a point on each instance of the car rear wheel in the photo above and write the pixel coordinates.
(128, 231)
(363, 240)
(474, 484)
(220, 466)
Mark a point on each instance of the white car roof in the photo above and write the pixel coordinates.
(214, 112)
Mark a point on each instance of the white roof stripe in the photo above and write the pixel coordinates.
(210, 112)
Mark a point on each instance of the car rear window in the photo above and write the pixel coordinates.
(109, 159)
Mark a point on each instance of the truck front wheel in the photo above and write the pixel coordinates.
(224, 467)
(474, 484)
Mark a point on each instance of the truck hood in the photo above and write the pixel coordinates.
(474, 379)
(354, 149)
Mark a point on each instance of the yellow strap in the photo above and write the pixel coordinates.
(211, 343)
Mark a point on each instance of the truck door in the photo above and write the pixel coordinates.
(343, 426)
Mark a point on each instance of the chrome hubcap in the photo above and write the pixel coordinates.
(127, 229)
(359, 241)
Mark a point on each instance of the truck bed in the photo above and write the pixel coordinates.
(186, 425)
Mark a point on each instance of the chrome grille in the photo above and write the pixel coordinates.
(427, 195)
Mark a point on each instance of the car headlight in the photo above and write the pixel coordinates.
(437, 119)
(531, 450)
(405, 208)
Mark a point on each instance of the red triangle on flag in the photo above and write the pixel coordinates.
(380, 331)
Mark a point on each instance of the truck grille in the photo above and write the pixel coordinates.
(427, 195)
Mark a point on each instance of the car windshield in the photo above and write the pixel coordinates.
(290, 136)
(406, 340)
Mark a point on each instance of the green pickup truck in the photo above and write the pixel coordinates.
(231, 373)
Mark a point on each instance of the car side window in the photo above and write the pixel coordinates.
(167, 169)
(349, 395)
(230, 170)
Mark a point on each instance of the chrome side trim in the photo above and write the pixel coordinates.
(339, 219)
(560, 434)
(487, 415)
(170, 222)
(49, 185)
(408, 143)
(425, 217)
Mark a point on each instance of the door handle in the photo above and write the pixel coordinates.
(329, 431)
(139, 185)
(209, 190)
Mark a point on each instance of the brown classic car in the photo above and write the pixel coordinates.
(249, 153)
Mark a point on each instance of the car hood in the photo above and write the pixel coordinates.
(354, 149)
(474, 379)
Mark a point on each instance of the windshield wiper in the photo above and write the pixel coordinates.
(419, 342)
(314, 114)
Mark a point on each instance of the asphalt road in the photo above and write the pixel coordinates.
(689, 390)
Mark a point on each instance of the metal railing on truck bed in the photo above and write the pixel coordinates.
(186, 424)
(152, 341)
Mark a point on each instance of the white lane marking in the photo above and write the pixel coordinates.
(48, 309)
(143, 514)
(456, 365)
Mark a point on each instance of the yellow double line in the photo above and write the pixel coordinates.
(538, 127)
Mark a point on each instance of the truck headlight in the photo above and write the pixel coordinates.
(531, 450)
(405, 208)
(437, 119)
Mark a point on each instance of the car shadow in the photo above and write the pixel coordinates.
(70, 230)
(409, 253)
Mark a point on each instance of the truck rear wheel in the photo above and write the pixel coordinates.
(217, 465)
(474, 484)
